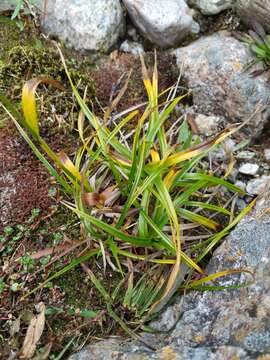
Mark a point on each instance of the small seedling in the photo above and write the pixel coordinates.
(27, 261)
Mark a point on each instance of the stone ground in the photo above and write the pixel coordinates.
(233, 324)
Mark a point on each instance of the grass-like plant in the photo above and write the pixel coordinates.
(259, 44)
(150, 208)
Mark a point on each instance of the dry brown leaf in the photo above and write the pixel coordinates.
(91, 199)
(49, 251)
(109, 195)
(33, 334)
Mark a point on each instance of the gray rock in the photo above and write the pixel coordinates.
(214, 325)
(258, 186)
(246, 155)
(267, 154)
(6, 5)
(233, 175)
(250, 10)
(132, 47)
(164, 22)
(225, 150)
(249, 169)
(240, 184)
(82, 24)
(241, 204)
(207, 125)
(132, 32)
(214, 69)
(212, 7)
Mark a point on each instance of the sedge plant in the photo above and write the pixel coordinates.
(259, 44)
(151, 210)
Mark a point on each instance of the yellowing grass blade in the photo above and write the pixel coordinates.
(146, 79)
(169, 178)
(119, 158)
(81, 119)
(191, 216)
(68, 164)
(196, 150)
(154, 155)
(197, 284)
(169, 245)
(29, 101)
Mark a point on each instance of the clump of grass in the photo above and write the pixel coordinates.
(259, 44)
(150, 208)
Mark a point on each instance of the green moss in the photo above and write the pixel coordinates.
(25, 62)
(24, 56)
(10, 36)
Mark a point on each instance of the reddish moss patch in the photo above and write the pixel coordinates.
(24, 183)
(108, 73)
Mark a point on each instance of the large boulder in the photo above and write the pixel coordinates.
(82, 24)
(250, 10)
(215, 69)
(212, 7)
(164, 22)
(213, 325)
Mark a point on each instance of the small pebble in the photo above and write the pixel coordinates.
(267, 154)
(245, 155)
(222, 153)
(241, 204)
(233, 175)
(207, 125)
(249, 169)
(241, 185)
(132, 47)
(259, 185)
(131, 31)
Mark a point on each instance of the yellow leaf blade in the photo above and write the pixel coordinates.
(29, 101)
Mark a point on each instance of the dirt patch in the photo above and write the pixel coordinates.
(24, 183)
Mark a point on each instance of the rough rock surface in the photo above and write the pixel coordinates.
(250, 10)
(214, 68)
(207, 125)
(258, 186)
(84, 25)
(5, 5)
(267, 154)
(232, 324)
(212, 7)
(132, 47)
(164, 22)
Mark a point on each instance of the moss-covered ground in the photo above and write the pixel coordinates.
(38, 236)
